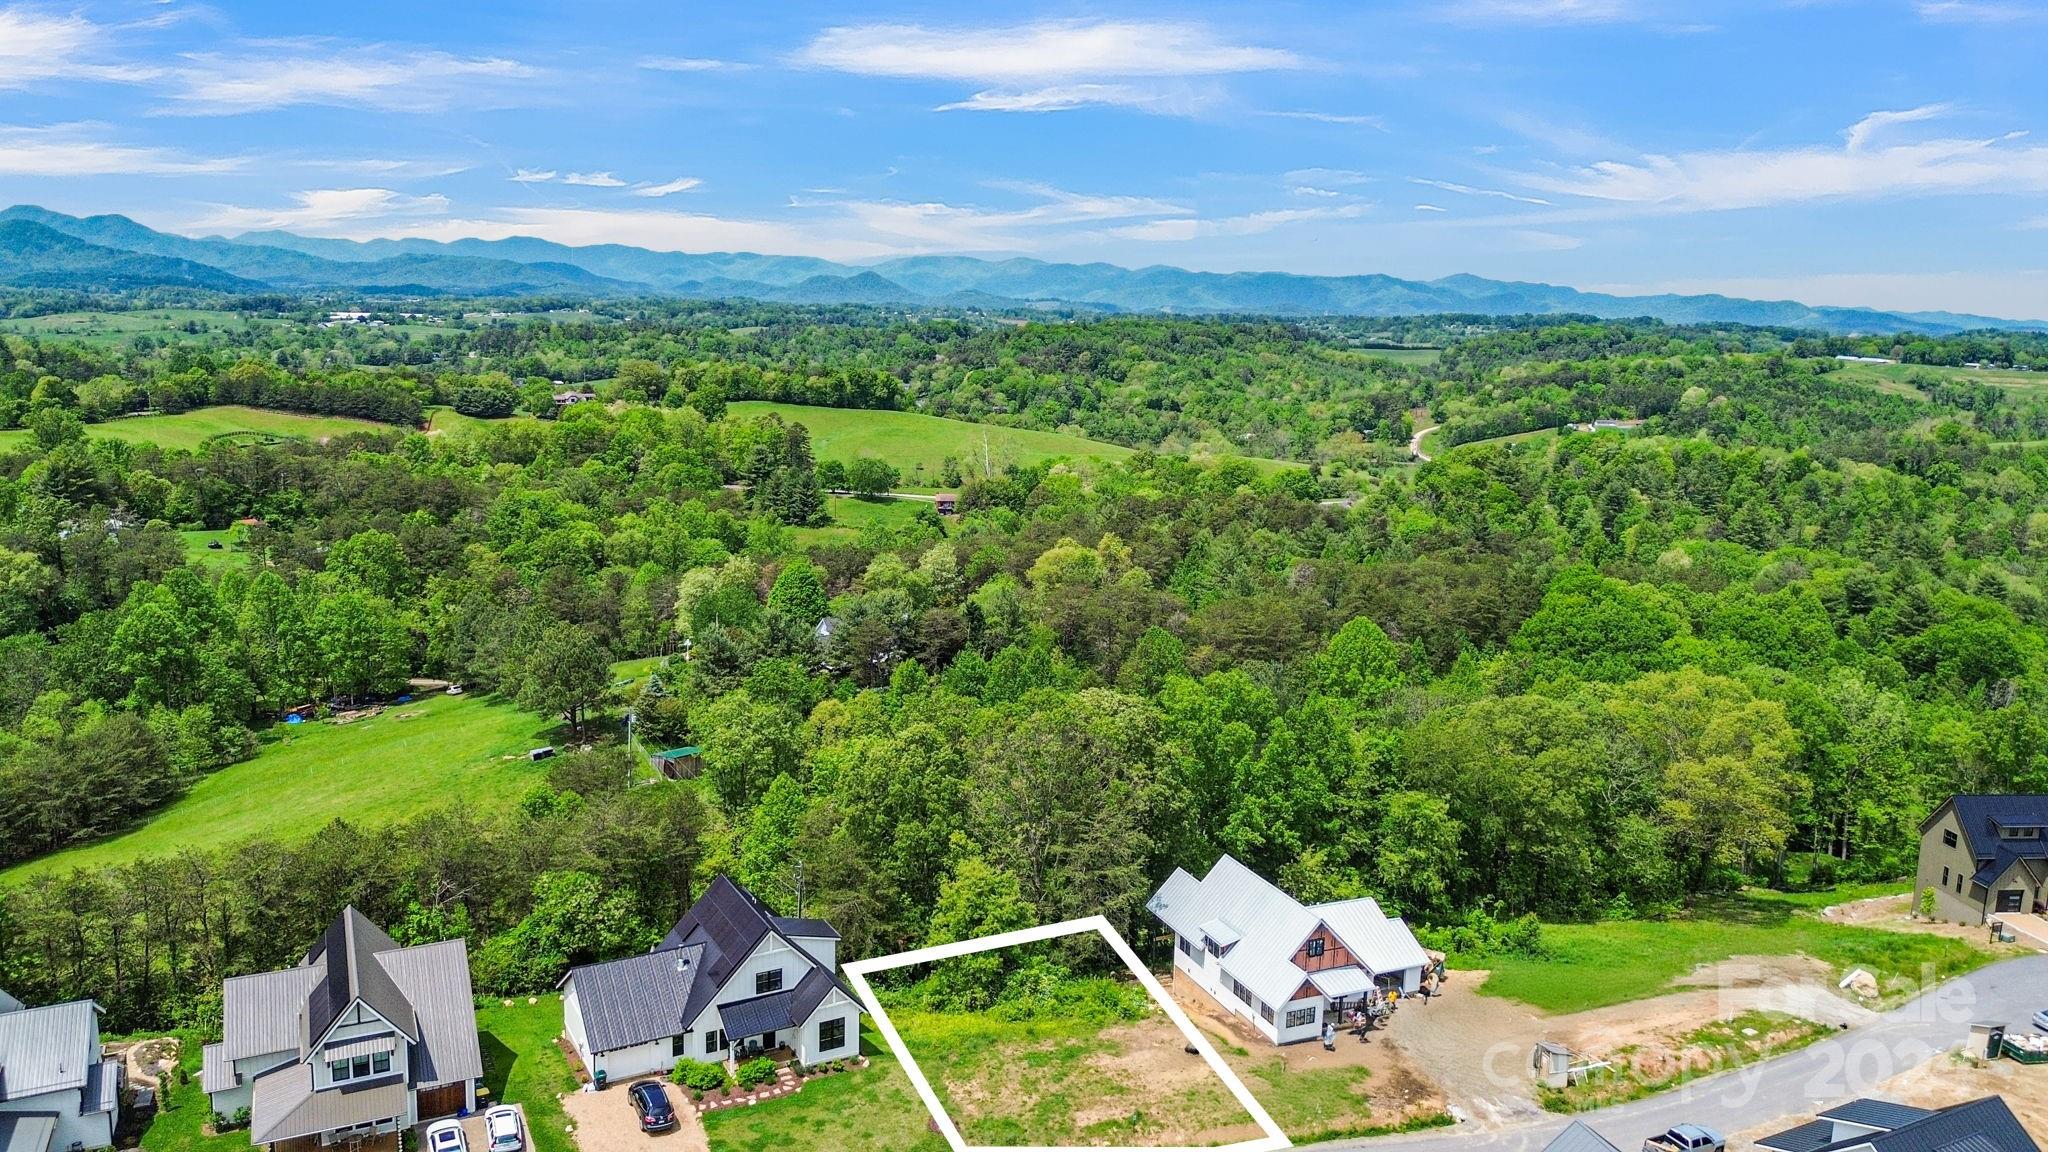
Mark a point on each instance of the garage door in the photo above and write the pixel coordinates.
(2009, 899)
(445, 1100)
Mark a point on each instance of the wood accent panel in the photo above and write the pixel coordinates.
(1335, 955)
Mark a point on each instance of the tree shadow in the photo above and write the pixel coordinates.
(498, 1061)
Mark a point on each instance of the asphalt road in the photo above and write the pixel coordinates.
(1844, 1066)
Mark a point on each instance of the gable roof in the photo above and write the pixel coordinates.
(1985, 1125)
(637, 999)
(1980, 816)
(776, 1011)
(423, 991)
(1578, 1138)
(1270, 925)
(1808, 1137)
(1876, 1113)
(50, 1049)
(730, 923)
(349, 949)
(9, 1003)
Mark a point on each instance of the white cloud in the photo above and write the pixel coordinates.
(1974, 12)
(1543, 11)
(83, 150)
(689, 64)
(1170, 100)
(1535, 240)
(1311, 190)
(1042, 53)
(680, 184)
(533, 175)
(1468, 190)
(1327, 177)
(297, 72)
(1860, 132)
(1429, 208)
(593, 179)
(37, 46)
(329, 211)
(381, 166)
(1331, 118)
(939, 227)
(1753, 178)
(1249, 224)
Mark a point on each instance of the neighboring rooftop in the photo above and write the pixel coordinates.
(1985, 1125)
(50, 1049)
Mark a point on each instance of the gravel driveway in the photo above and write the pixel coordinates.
(605, 1122)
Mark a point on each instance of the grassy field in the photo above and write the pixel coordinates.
(1071, 1078)
(1596, 965)
(1403, 355)
(871, 1110)
(408, 758)
(442, 418)
(850, 515)
(907, 439)
(1434, 442)
(523, 1066)
(1897, 378)
(117, 327)
(192, 429)
(199, 547)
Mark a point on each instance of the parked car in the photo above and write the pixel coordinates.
(502, 1125)
(1687, 1138)
(2041, 1020)
(446, 1136)
(656, 1113)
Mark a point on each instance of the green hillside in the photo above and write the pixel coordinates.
(191, 429)
(408, 758)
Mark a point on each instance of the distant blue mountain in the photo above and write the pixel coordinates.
(116, 252)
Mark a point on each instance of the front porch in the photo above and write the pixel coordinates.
(364, 1142)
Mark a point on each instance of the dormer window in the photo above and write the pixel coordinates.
(2029, 833)
(769, 981)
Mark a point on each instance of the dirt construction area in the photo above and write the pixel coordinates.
(1894, 914)
(605, 1122)
(1948, 1078)
(1469, 1054)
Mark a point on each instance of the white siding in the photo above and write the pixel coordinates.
(1309, 1031)
(823, 948)
(360, 1021)
(771, 953)
(94, 1131)
(572, 1022)
(836, 1006)
(623, 1064)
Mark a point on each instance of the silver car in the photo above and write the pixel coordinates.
(502, 1125)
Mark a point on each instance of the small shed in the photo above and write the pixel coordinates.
(1986, 1039)
(680, 763)
(947, 503)
(1551, 1063)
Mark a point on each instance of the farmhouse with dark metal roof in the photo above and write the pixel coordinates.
(1985, 856)
(1866, 1125)
(731, 978)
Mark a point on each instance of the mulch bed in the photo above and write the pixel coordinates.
(786, 1082)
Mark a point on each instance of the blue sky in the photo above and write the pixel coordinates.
(1875, 152)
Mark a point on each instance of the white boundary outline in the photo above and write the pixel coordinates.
(857, 973)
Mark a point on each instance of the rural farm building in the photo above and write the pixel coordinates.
(1284, 967)
(1985, 855)
(57, 1091)
(363, 1037)
(732, 978)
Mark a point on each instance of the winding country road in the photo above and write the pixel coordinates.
(1415, 443)
(1846, 1065)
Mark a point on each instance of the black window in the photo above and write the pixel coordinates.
(769, 981)
(380, 1062)
(1187, 947)
(1266, 1011)
(1948, 837)
(1210, 946)
(1944, 876)
(1315, 947)
(1301, 1017)
(679, 1046)
(1243, 993)
(832, 1035)
(360, 1068)
(714, 1041)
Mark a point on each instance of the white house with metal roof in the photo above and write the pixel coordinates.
(58, 1091)
(1283, 966)
(362, 1037)
(731, 979)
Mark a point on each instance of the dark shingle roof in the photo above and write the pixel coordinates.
(637, 999)
(1812, 1135)
(1981, 815)
(1985, 1125)
(350, 948)
(1876, 1113)
(1578, 1138)
(802, 926)
(759, 1014)
(730, 923)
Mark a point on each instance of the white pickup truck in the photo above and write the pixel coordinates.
(1687, 1138)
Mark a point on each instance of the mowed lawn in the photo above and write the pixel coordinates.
(191, 429)
(873, 1109)
(1596, 965)
(850, 514)
(522, 1065)
(906, 439)
(408, 758)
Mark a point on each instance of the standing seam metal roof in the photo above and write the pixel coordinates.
(49, 1049)
(26, 1131)
(1578, 1138)
(636, 1000)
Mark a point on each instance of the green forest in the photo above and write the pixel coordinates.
(1594, 676)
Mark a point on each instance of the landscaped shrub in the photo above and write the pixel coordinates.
(699, 1075)
(756, 1072)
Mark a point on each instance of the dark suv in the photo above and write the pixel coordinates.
(656, 1113)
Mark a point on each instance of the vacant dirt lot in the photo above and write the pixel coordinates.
(1944, 1080)
(1893, 913)
(605, 1122)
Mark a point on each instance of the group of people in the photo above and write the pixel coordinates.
(1360, 1018)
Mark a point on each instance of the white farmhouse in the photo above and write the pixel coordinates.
(363, 1037)
(731, 979)
(1284, 967)
(58, 1093)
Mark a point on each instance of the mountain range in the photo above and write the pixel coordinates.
(41, 248)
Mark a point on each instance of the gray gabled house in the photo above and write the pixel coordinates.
(1867, 1125)
(1984, 855)
(58, 1091)
(362, 1037)
(732, 978)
